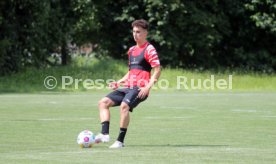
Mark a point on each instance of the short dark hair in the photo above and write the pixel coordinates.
(140, 23)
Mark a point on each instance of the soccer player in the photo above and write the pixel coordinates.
(136, 83)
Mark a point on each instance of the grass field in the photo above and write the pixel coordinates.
(177, 127)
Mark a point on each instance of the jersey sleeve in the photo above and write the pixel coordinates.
(152, 56)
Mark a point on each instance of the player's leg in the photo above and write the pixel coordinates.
(124, 122)
(129, 102)
(124, 115)
(104, 105)
(113, 99)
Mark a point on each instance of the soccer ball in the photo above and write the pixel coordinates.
(86, 139)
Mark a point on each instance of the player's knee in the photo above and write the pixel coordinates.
(124, 108)
(103, 103)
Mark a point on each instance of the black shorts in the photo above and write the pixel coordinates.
(127, 95)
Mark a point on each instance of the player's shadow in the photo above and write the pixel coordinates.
(179, 145)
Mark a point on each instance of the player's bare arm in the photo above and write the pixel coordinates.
(145, 90)
(115, 85)
(123, 79)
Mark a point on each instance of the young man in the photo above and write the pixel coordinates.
(137, 83)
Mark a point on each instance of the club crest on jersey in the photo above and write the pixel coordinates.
(134, 61)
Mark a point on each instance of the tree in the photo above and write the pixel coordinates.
(21, 41)
(263, 14)
(194, 34)
(62, 20)
(31, 29)
(187, 34)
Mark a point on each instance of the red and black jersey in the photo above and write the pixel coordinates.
(141, 60)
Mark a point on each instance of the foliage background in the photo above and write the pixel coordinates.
(187, 34)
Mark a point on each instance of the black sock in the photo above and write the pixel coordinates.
(105, 127)
(122, 134)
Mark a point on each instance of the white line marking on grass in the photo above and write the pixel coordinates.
(64, 119)
(172, 107)
(167, 118)
(177, 107)
(245, 110)
(212, 94)
(52, 102)
(35, 153)
(269, 116)
(60, 153)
